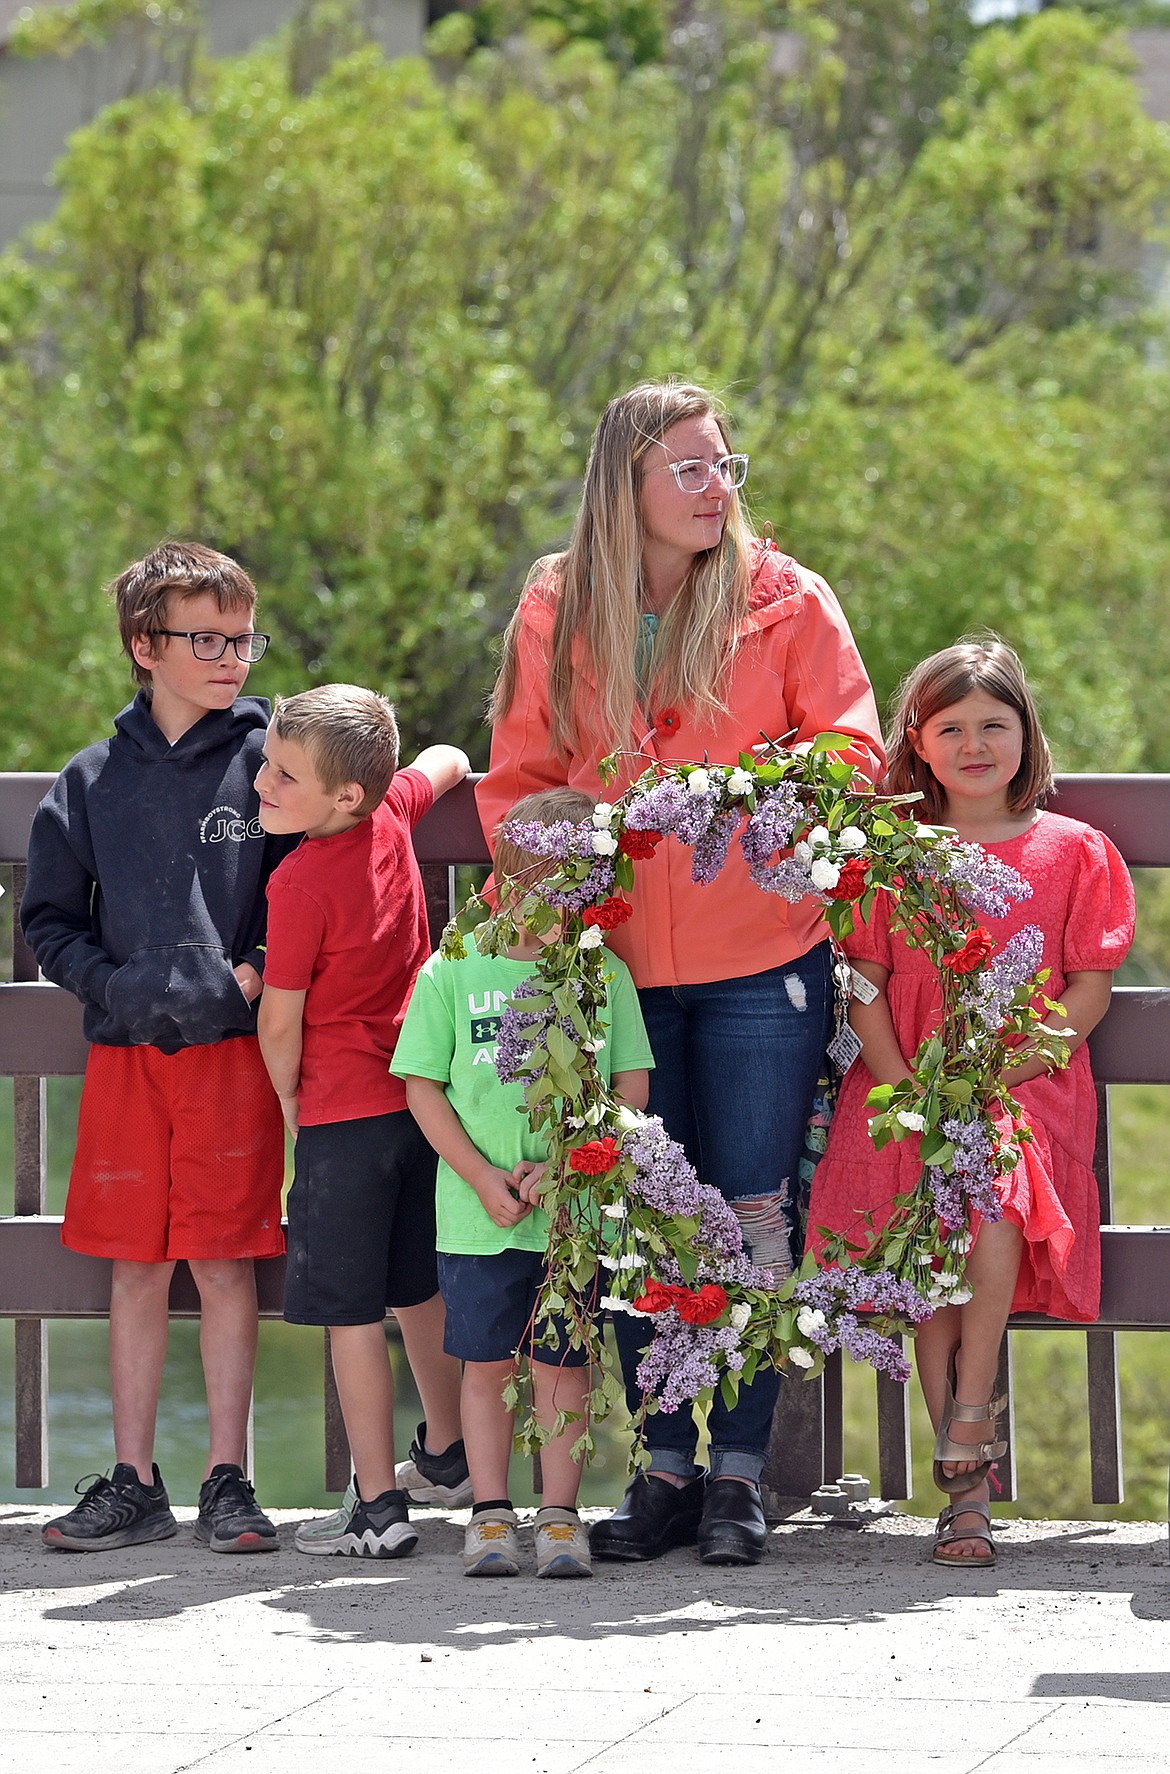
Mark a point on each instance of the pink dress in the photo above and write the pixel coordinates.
(1082, 899)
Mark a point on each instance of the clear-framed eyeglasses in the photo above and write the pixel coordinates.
(696, 476)
(207, 645)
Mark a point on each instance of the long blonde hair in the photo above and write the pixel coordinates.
(598, 579)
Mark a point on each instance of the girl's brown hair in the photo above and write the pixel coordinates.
(980, 663)
(598, 580)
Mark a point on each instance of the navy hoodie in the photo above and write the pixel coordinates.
(146, 875)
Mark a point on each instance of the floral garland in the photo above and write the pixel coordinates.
(621, 1193)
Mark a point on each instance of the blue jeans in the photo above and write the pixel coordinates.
(736, 1065)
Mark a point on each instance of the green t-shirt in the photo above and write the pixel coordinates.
(450, 1035)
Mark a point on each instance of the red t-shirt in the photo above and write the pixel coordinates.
(347, 925)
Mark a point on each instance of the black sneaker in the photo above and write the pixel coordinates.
(230, 1519)
(115, 1511)
(381, 1529)
(435, 1478)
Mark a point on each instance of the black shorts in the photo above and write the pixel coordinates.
(361, 1221)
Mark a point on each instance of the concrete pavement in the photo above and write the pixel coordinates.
(844, 1653)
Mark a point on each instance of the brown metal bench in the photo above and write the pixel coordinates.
(40, 1037)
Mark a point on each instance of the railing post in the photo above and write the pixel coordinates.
(31, 1335)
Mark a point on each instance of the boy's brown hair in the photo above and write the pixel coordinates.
(348, 734)
(548, 806)
(187, 569)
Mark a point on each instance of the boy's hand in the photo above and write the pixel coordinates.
(288, 1108)
(249, 981)
(497, 1193)
(530, 1178)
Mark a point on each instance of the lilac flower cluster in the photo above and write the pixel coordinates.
(659, 809)
(855, 1288)
(972, 1180)
(988, 992)
(770, 830)
(862, 1343)
(986, 886)
(566, 843)
(666, 1182)
(790, 879)
(518, 1034)
(684, 1359)
(711, 847)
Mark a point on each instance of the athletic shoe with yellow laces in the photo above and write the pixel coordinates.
(562, 1544)
(490, 1546)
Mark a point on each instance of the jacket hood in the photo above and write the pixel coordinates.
(137, 727)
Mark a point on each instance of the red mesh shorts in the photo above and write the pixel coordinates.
(178, 1155)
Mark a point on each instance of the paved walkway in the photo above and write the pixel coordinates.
(844, 1653)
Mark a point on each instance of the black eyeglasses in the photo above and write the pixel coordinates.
(207, 645)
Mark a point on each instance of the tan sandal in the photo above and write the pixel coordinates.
(946, 1450)
(946, 1533)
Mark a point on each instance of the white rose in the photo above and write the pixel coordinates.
(617, 1210)
(808, 1320)
(591, 937)
(576, 1120)
(803, 853)
(740, 782)
(800, 1357)
(819, 838)
(604, 844)
(851, 837)
(946, 1281)
(739, 1315)
(698, 782)
(912, 1119)
(602, 815)
(824, 874)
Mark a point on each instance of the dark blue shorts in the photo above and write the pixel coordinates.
(361, 1221)
(490, 1302)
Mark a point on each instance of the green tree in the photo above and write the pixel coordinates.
(353, 321)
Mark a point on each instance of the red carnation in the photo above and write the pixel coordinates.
(978, 946)
(657, 1297)
(596, 1157)
(609, 914)
(639, 845)
(851, 880)
(702, 1308)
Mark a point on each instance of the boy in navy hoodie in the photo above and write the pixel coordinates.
(147, 869)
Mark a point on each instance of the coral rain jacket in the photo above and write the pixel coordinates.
(797, 667)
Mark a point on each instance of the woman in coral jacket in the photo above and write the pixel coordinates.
(668, 630)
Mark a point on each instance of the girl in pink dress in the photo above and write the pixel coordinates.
(966, 733)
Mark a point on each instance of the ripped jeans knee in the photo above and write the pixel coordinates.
(766, 1224)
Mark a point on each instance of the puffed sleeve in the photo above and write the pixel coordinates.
(522, 759)
(871, 942)
(1100, 926)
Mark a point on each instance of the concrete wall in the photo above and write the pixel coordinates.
(42, 102)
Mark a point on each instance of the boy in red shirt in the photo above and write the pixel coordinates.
(347, 934)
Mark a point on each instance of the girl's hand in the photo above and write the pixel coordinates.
(497, 1193)
(530, 1178)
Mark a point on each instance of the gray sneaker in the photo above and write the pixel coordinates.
(381, 1529)
(562, 1544)
(490, 1546)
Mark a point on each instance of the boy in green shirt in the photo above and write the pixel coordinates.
(492, 1238)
